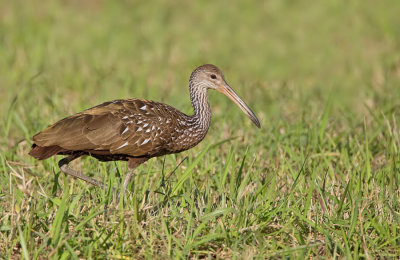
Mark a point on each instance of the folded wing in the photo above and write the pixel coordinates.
(134, 127)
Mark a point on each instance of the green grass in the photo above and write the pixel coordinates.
(320, 178)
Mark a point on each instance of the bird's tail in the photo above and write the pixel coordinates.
(41, 153)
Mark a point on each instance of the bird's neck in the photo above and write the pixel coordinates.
(201, 108)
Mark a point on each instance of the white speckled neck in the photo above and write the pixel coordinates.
(201, 107)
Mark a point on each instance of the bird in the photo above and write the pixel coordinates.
(135, 130)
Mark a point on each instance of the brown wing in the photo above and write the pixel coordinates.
(134, 127)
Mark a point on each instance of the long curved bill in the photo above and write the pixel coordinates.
(228, 91)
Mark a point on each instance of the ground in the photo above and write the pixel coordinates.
(320, 178)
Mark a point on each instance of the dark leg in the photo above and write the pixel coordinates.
(63, 164)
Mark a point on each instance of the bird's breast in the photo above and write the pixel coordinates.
(186, 135)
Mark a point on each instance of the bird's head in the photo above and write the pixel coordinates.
(209, 76)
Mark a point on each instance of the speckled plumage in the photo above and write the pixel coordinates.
(125, 128)
(136, 130)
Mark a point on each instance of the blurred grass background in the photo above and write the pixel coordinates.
(323, 77)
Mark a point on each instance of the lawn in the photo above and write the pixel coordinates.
(320, 178)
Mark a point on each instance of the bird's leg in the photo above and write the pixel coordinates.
(127, 179)
(63, 164)
(132, 164)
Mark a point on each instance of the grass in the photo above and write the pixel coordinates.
(319, 179)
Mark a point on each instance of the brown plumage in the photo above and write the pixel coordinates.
(135, 130)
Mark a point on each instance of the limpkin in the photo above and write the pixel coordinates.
(134, 130)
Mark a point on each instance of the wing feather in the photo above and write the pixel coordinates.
(134, 127)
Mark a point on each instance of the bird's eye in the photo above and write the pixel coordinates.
(213, 76)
